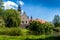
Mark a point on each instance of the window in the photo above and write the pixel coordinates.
(22, 21)
(26, 21)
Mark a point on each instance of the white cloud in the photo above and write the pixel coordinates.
(9, 5)
(22, 11)
(21, 3)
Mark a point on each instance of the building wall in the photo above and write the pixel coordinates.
(24, 20)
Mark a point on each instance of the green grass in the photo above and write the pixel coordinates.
(4, 37)
(27, 37)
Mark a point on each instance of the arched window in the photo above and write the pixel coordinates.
(26, 21)
(23, 22)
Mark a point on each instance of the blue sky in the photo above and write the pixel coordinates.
(42, 9)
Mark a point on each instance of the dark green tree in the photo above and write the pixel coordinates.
(48, 27)
(2, 23)
(56, 20)
(12, 18)
(38, 28)
(34, 27)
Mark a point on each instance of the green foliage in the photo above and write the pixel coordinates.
(1, 12)
(12, 18)
(48, 27)
(39, 28)
(29, 37)
(57, 29)
(11, 31)
(56, 21)
(35, 27)
(2, 23)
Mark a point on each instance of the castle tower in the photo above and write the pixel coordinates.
(19, 6)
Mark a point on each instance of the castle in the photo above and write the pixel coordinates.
(25, 19)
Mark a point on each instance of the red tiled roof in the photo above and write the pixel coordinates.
(39, 20)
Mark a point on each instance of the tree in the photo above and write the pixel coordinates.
(2, 23)
(39, 28)
(48, 27)
(34, 27)
(12, 18)
(56, 20)
(1, 12)
(1, 3)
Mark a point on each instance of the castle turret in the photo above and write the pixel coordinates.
(19, 8)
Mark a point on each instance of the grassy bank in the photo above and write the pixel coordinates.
(6, 34)
(29, 37)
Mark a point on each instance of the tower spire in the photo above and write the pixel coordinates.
(19, 6)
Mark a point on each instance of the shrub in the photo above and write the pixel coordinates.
(48, 27)
(34, 27)
(11, 31)
(2, 23)
(39, 28)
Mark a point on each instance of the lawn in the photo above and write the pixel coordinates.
(29, 37)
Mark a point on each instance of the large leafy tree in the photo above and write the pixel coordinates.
(1, 18)
(56, 20)
(48, 27)
(1, 12)
(35, 27)
(39, 28)
(12, 18)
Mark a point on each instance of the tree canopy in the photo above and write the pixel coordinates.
(12, 18)
(56, 20)
(38, 28)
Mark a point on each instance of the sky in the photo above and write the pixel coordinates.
(42, 9)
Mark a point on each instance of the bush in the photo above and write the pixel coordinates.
(37, 28)
(2, 23)
(34, 27)
(48, 27)
(11, 31)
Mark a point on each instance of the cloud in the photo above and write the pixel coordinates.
(21, 3)
(9, 5)
(22, 11)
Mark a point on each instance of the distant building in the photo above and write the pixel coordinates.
(40, 20)
(25, 19)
